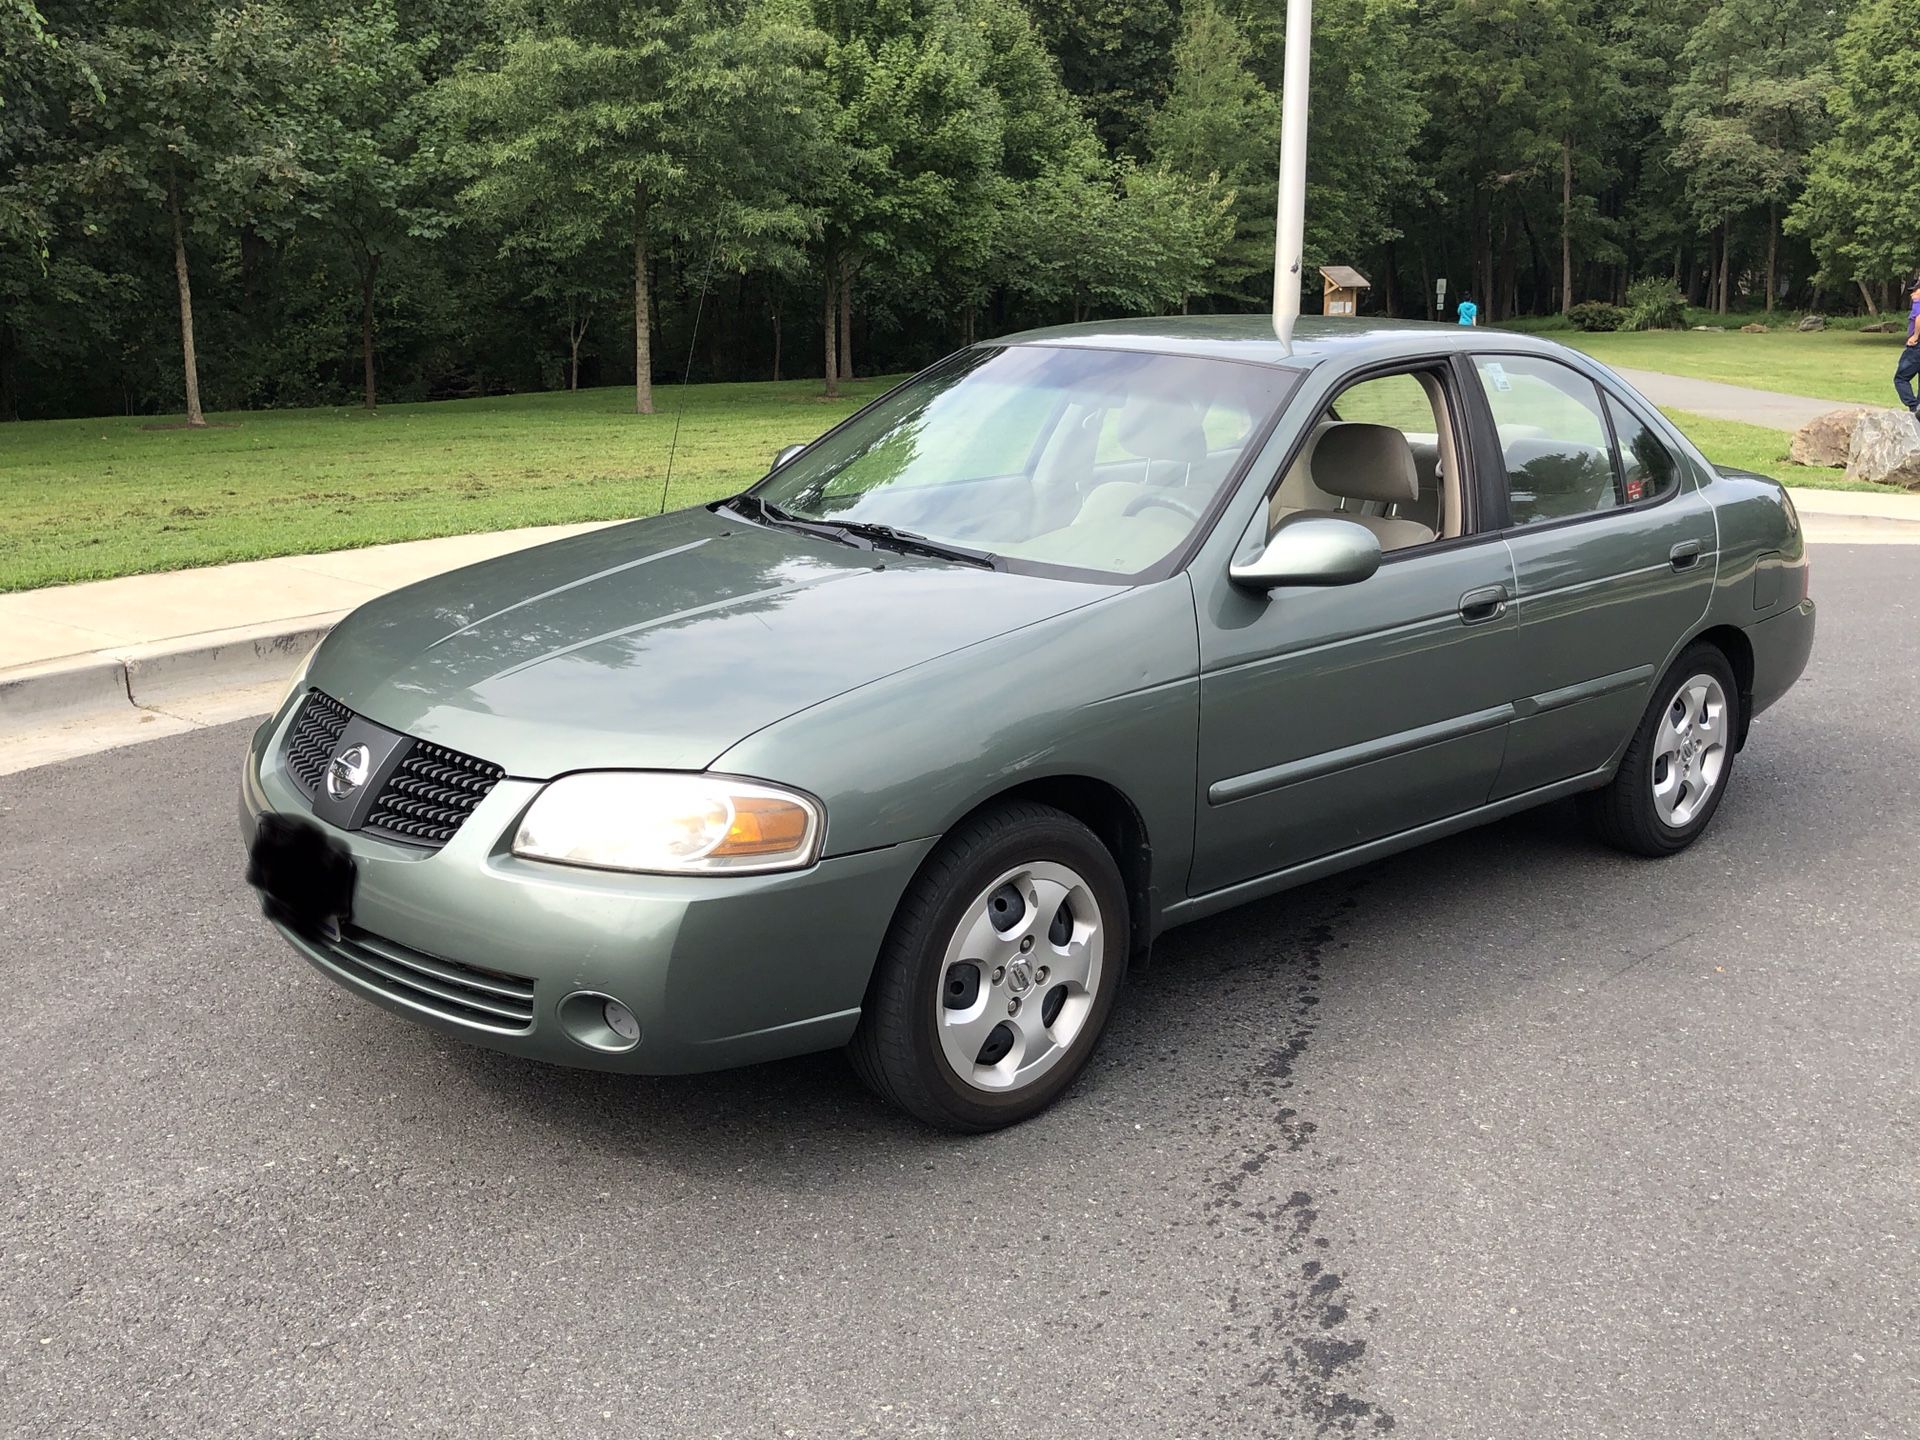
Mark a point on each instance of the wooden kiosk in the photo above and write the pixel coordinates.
(1343, 286)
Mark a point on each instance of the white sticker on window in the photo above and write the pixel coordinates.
(1497, 373)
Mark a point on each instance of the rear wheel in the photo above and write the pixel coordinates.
(1676, 770)
(999, 972)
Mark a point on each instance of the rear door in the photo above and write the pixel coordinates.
(1614, 551)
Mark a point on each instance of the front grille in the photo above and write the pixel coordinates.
(487, 999)
(430, 794)
(423, 802)
(316, 732)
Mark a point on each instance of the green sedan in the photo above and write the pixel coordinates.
(917, 745)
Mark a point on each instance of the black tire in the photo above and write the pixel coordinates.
(1624, 814)
(896, 1050)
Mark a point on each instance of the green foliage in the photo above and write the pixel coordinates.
(1654, 304)
(468, 198)
(1597, 315)
(1861, 208)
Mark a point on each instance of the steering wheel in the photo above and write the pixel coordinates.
(1161, 497)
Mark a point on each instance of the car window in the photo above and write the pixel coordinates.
(1649, 469)
(1553, 438)
(1396, 400)
(1381, 456)
(1053, 458)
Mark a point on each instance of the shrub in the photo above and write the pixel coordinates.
(1655, 305)
(1597, 315)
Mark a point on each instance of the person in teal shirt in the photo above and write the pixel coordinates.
(1469, 312)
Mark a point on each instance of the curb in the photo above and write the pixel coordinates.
(153, 676)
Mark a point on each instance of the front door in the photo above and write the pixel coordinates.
(1333, 717)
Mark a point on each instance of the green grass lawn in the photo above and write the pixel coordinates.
(1754, 447)
(89, 499)
(1838, 365)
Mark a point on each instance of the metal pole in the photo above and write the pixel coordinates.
(1289, 238)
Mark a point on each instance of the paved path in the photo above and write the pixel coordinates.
(1770, 408)
(1507, 1136)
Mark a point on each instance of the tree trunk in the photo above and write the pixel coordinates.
(189, 360)
(1867, 295)
(369, 269)
(1773, 253)
(576, 334)
(832, 326)
(1566, 225)
(846, 326)
(776, 344)
(642, 318)
(1726, 267)
(9, 383)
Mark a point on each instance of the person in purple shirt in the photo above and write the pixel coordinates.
(1909, 367)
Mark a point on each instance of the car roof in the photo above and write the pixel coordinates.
(1250, 339)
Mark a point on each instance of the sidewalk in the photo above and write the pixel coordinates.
(1768, 408)
(84, 667)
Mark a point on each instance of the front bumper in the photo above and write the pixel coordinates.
(719, 970)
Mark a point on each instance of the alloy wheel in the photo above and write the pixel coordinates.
(1019, 977)
(1689, 750)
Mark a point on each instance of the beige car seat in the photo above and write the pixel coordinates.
(1353, 460)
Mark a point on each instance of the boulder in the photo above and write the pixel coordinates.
(1884, 327)
(1827, 439)
(1886, 449)
(1811, 322)
(1711, 329)
(1756, 328)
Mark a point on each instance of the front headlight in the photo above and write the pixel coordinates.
(671, 824)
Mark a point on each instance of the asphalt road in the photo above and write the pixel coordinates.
(1506, 1137)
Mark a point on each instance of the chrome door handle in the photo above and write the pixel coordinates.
(1685, 555)
(1489, 602)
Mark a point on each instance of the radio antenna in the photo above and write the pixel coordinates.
(686, 376)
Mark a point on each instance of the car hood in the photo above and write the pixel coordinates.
(660, 643)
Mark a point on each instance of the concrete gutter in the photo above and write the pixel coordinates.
(157, 674)
(91, 666)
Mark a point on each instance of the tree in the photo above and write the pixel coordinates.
(1221, 125)
(193, 127)
(647, 120)
(910, 136)
(1747, 113)
(371, 178)
(1113, 58)
(1861, 207)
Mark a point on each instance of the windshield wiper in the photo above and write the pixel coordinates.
(767, 513)
(908, 543)
(861, 534)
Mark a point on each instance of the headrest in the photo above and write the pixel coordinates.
(1358, 461)
(1154, 427)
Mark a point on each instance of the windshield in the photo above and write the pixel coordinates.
(1047, 458)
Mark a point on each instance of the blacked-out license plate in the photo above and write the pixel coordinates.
(304, 876)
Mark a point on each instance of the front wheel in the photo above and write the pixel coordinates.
(999, 972)
(1676, 770)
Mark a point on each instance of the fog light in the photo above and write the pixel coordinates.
(621, 1021)
(599, 1022)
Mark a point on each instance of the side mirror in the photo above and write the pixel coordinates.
(1311, 550)
(782, 456)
